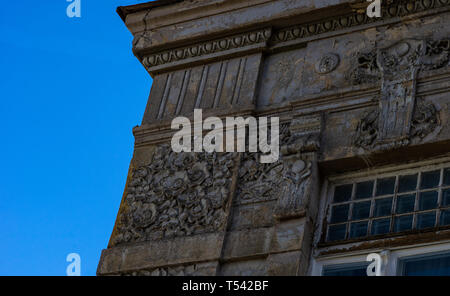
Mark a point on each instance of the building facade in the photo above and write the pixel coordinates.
(364, 162)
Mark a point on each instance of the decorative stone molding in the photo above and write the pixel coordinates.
(177, 194)
(165, 60)
(244, 43)
(390, 10)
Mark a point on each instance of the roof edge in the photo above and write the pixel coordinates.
(123, 11)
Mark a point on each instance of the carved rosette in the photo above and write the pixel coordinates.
(177, 194)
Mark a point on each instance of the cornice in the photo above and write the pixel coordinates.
(268, 39)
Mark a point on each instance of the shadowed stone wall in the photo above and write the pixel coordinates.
(351, 92)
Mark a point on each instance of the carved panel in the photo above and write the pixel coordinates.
(177, 194)
(399, 119)
(399, 65)
(425, 120)
(288, 181)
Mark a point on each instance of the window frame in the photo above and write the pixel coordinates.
(394, 256)
(373, 175)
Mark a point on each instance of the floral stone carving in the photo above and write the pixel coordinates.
(289, 180)
(177, 194)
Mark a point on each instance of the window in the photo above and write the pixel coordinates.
(389, 204)
(427, 260)
(354, 269)
(434, 265)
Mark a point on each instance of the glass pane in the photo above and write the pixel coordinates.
(361, 210)
(407, 183)
(426, 220)
(385, 186)
(430, 179)
(339, 214)
(405, 203)
(427, 266)
(343, 193)
(446, 197)
(445, 218)
(403, 223)
(358, 269)
(383, 207)
(358, 229)
(428, 200)
(381, 226)
(446, 177)
(336, 232)
(364, 190)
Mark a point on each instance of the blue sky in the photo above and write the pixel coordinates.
(70, 93)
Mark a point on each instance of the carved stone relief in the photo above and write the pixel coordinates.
(207, 268)
(327, 63)
(288, 181)
(177, 194)
(399, 119)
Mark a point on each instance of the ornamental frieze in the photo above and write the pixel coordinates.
(268, 38)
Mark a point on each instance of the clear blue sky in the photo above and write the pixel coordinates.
(70, 93)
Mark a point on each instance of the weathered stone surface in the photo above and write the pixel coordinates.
(219, 85)
(351, 92)
(288, 236)
(198, 269)
(253, 215)
(255, 267)
(284, 264)
(154, 254)
(247, 243)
